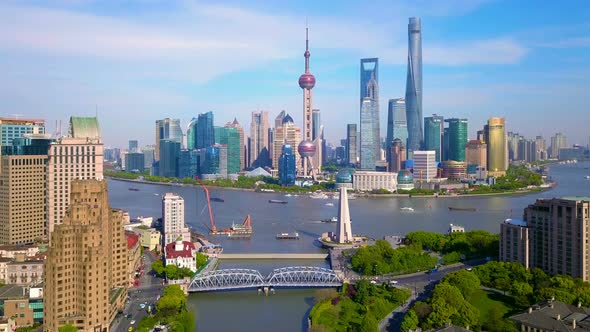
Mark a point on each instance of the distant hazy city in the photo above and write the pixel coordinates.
(214, 227)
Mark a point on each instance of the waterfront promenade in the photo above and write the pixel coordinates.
(245, 256)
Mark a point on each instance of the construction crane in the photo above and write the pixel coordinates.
(213, 228)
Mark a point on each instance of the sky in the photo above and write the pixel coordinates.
(135, 61)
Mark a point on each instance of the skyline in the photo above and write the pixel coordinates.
(149, 61)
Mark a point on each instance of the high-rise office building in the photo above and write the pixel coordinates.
(495, 138)
(191, 134)
(287, 166)
(397, 156)
(396, 123)
(169, 154)
(15, 128)
(370, 139)
(424, 165)
(559, 235)
(23, 197)
(540, 148)
(558, 141)
(235, 124)
(77, 156)
(148, 155)
(205, 135)
(476, 153)
(86, 275)
(457, 138)
(214, 162)
(316, 115)
(168, 129)
(414, 85)
(259, 149)
(230, 137)
(133, 146)
(134, 162)
(188, 164)
(309, 147)
(271, 138)
(369, 136)
(173, 219)
(351, 144)
(287, 133)
(433, 134)
(512, 142)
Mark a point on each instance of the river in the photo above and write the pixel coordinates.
(374, 217)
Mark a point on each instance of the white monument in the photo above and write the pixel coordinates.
(344, 232)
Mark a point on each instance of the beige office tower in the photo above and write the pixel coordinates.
(259, 149)
(560, 235)
(77, 156)
(476, 153)
(86, 265)
(22, 199)
(287, 133)
(497, 147)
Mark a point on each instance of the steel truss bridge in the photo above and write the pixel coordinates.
(286, 277)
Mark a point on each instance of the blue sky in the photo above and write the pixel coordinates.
(142, 60)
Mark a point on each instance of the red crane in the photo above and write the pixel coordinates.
(213, 228)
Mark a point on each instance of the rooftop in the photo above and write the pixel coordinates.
(516, 222)
(576, 198)
(132, 240)
(187, 250)
(555, 316)
(84, 127)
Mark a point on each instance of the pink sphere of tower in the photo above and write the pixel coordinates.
(306, 81)
(306, 149)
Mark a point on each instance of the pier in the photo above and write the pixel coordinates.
(241, 256)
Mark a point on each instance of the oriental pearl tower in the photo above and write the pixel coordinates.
(307, 148)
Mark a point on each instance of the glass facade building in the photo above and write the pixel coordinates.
(15, 128)
(230, 137)
(205, 135)
(457, 139)
(433, 133)
(495, 138)
(287, 166)
(134, 162)
(414, 85)
(316, 115)
(370, 142)
(167, 129)
(191, 134)
(169, 155)
(369, 70)
(214, 160)
(351, 143)
(396, 123)
(188, 164)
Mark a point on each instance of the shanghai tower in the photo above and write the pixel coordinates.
(414, 86)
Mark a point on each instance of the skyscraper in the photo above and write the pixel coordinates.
(316, 115)
(457, 138)
(351, 144)
(369, 71)
(424, 165)
(476, 153)
(397, 155)
(167, 129)
(23, 196)
(370, 138)
(557, 142)
(77, 156)
(433, 133)
(414, 85)
(278, 123)
(230, 137)
(169, 155)
(259, 149)
(205, 135)
(191, 134)
(148, 155)
(173, 218)
(495, 138)
(396, 123)
(287, 133)
(235, 124)
(86, 261)
(133, 146)
(287, 166)
(308, 146)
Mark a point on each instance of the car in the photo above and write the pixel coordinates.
(373, 282)
(469, 268)
(130, 328)
(128, 316)
(393, 282)
(142, 305)
(132, 322)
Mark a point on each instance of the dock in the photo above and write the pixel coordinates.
(274, 256)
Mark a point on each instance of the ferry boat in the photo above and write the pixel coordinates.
(405, 208)
(133, 189)
(277, 201)
(318, 195)
(587, 177)
(329, 204)
(216, 199)
(331, 220)
(288, 236)
(288, 195)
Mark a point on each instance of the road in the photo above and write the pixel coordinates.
(148, 290)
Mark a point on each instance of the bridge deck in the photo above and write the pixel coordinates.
(274, 256)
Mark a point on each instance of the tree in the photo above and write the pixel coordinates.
(68, 328)
(172, 302)
(171, 272)
(158, 267)
(369, 323)
(465, 281)
(410, 321)
(201, 259)
(521, 292)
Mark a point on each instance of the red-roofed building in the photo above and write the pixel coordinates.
(182, 254)
(134, 253)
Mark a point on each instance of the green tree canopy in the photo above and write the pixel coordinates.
(68, 328)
